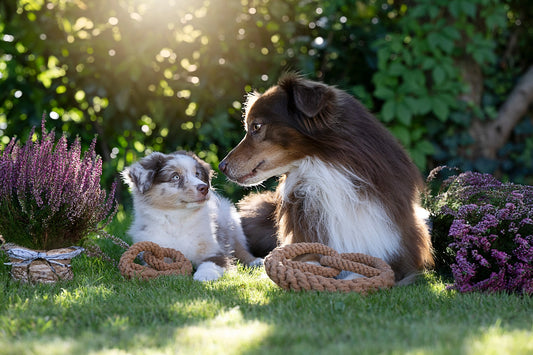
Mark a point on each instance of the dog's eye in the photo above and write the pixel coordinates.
(255, 127)
(175, 177)
(197, 174)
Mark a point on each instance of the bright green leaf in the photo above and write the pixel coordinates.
(438, 40)
(438, 75)
(469, 8)
(417, 132)
(402, 134)
(384, 93)
(412, 103)
(440, 109)
(453, 7)
(419, 158)
(433, 11)
(396, 69)
(447, 45)
(424, 105)
(428, 63)
(404, 113)
(451, 32)
(425, 147)
(382, 79)
(388, 110)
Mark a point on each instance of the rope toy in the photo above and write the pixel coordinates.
(154, 256)
(296, 275)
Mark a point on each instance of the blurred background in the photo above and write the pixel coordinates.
(451, 79)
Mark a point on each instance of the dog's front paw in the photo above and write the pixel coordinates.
(348, 275)
(140, 257)
(257, 263)
(208, 271)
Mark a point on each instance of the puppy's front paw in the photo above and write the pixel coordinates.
(208, 271)
(257, 263)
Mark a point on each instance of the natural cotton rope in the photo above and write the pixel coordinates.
(296, 275)
(154, 256)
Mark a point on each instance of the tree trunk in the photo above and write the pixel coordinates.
(490, 136)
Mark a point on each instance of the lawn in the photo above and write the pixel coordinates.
(100, 312)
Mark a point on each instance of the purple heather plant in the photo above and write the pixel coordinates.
(50, 195)
(489, 228)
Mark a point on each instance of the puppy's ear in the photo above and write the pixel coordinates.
(141, 175)
(313, 100)
(127, 177)
(205, 170)
(138, 178)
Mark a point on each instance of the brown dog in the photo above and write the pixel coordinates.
(346, 181)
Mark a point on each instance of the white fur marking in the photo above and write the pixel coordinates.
(353, 220)
(262, 175)
(208, 271)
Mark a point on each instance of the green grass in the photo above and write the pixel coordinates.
(100, 312)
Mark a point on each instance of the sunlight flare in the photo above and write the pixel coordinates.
(228, 330)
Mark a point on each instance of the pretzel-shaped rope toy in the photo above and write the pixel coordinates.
(296, 275)
(154, 256)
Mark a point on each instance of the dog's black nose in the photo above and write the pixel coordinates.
(223, 166)
(203, 189)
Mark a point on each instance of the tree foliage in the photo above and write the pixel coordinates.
(161, 75)
(420, 68)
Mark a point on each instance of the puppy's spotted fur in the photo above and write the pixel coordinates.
(175, 207)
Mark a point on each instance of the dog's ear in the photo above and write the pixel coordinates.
(141, 175)
(313, 100)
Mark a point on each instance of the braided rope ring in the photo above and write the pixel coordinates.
(154, 256)
(296, 275)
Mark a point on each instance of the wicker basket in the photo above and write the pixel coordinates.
(38, 266)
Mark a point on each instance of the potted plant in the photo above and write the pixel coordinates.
(50, 199)
(483, 233)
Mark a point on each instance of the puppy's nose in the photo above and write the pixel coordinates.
(223, 166)
(203, 189)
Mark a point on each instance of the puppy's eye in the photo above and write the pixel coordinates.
(175, 177)
(255, 127)
(197, 174)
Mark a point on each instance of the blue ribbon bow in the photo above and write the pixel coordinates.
(28, 256)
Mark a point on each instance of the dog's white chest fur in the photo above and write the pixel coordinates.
(352, 220)
(189, 230)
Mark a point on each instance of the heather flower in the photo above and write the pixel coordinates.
(483, 233)
(50, 195)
